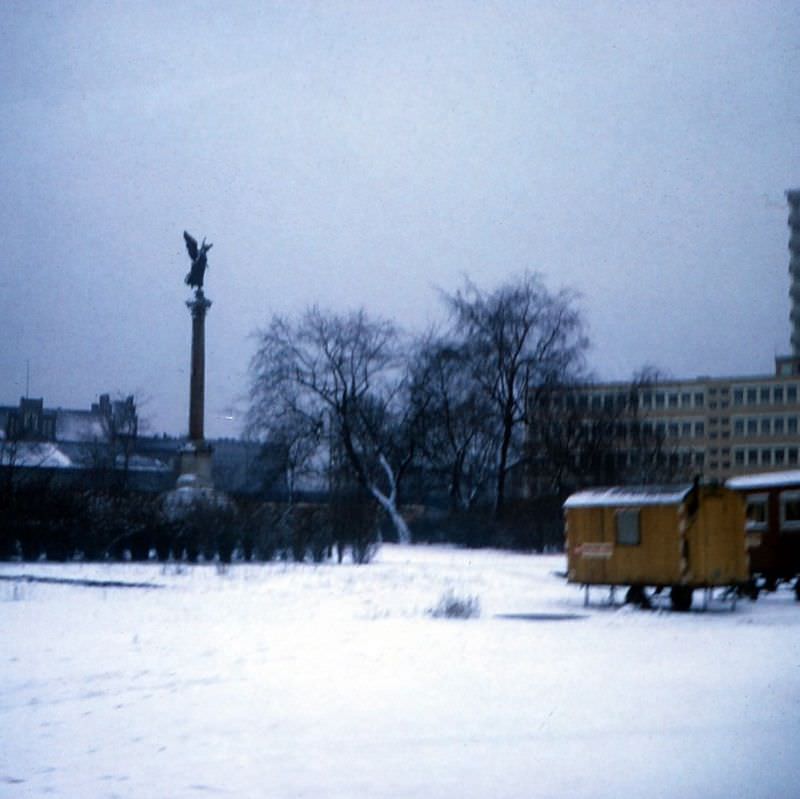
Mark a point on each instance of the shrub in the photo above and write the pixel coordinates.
(452, 606)
(354, 522)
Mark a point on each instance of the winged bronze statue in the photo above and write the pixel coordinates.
(199, 260)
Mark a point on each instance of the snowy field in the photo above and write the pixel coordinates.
(335, 681)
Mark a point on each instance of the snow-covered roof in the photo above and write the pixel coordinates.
(628, 496)
(764, 480)
(35, 455)
(141, 463)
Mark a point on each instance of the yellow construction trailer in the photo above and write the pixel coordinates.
(677, 537)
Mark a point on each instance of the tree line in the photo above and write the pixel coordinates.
(455, 414)
(446, 415)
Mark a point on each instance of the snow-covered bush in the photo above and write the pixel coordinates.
(452, 606)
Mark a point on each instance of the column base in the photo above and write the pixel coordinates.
(194, 467)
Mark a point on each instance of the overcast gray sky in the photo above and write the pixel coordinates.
(368, 153)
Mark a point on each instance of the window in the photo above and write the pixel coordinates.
(686, 428)
(752, 427)
(752, 456)
(673, 400)
(764, 394)
(686, 399)
(738, 457)
(790, 510)
(766, 457)
(698, 399)
(756, 512)
(673, 429)
(752, 396)
(777, 425)
(628, 528)
(791, 393)
(791, 424)
(699, 459)
(699, 428)
(738, 427)
(765, 427)
(791, 454)
(777, 394)
(659, 400)
(779, 457)
(647, 399)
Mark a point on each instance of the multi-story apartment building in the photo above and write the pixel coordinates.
(716, 427)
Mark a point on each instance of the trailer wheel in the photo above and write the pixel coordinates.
(751, 590)
(681, 598)
(636, 595)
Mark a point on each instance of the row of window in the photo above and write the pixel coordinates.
(765, 425)
(711, 397)
(788, 455)
(750, 426)
(662, 399)
(766, 456)
(765, 395)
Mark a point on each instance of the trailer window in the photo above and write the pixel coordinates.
(756, 512)
(628, 528)
(790, 510)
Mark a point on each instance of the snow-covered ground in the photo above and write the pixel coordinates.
(334, 681)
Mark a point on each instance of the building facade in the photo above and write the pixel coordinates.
(793, 198)
(709, 427)
(106, 419)
(716, 427)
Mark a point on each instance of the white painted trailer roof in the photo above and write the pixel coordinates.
(765, 480)
(629, 496)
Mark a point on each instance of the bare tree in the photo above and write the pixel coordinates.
(455, 430)
(581, 435)
(109, 453)
(339, 373)
(520, 337)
